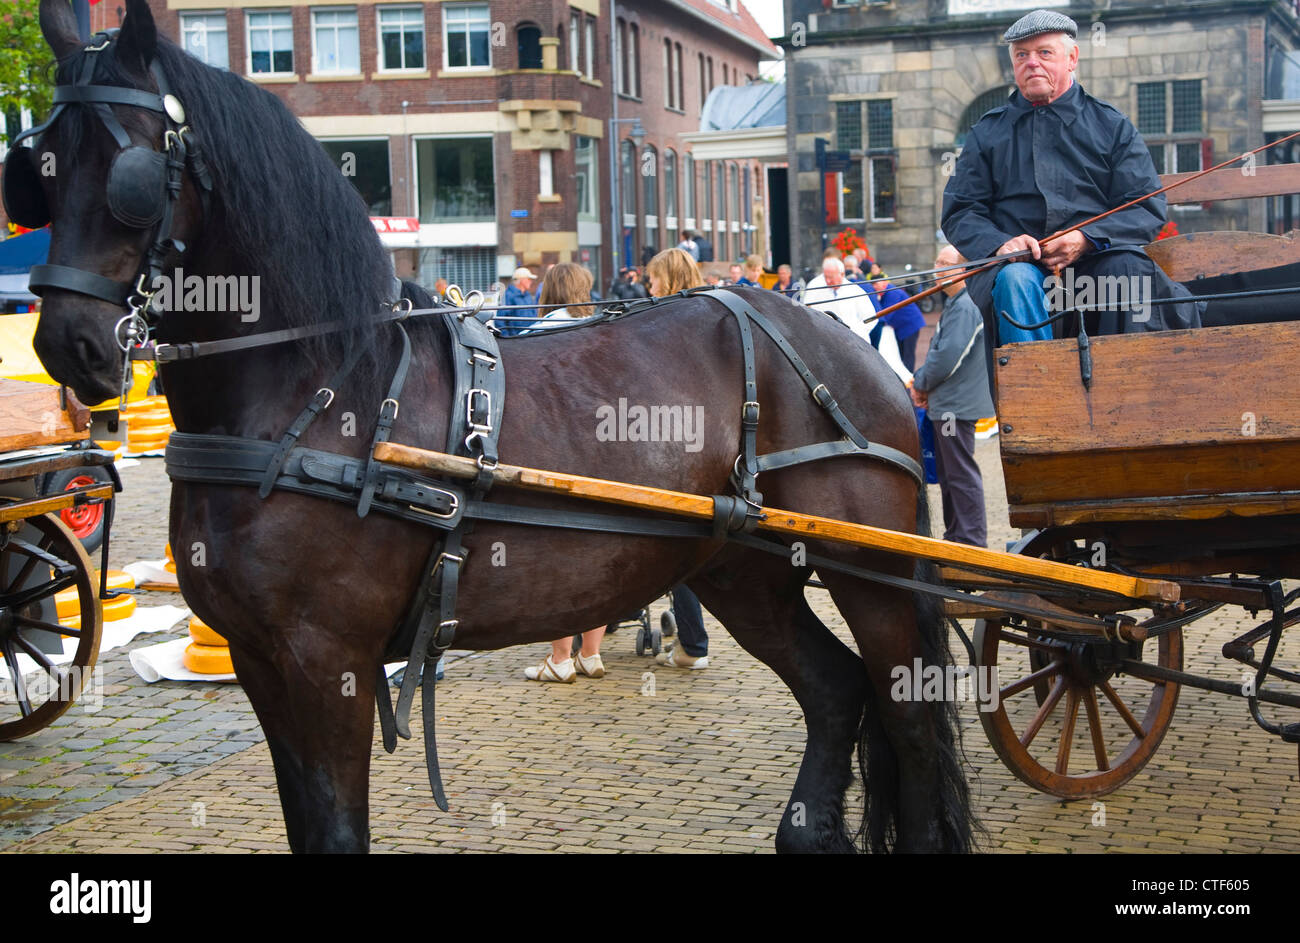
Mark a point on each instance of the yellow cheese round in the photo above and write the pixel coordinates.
(203, 634)
(208, 660)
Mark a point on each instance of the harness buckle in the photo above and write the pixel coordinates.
(822, 396)
(448, 515)
(446, 634)
(484, 463)
(477, 357)
(749, 413)
(486, 425)
(442, 558)
(328, 399)
(402, 307)
(395, 408)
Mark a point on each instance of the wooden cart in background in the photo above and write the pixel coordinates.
(44, 431)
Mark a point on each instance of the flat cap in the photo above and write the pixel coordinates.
(1040, 21)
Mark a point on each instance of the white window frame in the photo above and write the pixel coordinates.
(589, 49)
(465, 8)
(869, 194)
(200, 17)
(338, 31)
(248, 45)
(545, 173)
(402, 30)
(575, 37)
(415, 172)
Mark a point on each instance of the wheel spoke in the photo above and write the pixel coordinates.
(1026, 640)
(38, 656)
(20, 689)
(1047, 706)
(28, 622)
(34, 594)
(1094, 725)
(1067, 732)
(45, 543)
(1124, 712)
(1011, 690)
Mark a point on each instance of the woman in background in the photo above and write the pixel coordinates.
(671, 271)
(567, 284)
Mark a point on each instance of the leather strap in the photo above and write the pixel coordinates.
(82, 282)
(384, 424)
(822, 450)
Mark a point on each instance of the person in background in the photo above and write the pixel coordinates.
(952, 385)
(851, 270)
(785, 282)
(689, 246)
(861, 255)
(713, 281)
(518, 292)
(752, 272)
(648, 253)
(734, 274)
(628, 287)
(906, 322)
(568, 284)
(440, 289)
(705, 247)
(819, 280)
(852, 305)
(669, 272)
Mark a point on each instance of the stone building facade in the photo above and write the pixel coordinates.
(898, 84)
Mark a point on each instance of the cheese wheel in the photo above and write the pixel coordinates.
(67, 604)
(203, 634)
(208, 660)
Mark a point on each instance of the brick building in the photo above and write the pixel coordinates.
(498, 125)
(897, 85)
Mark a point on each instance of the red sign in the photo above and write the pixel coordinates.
(586, 255)
(390, 224)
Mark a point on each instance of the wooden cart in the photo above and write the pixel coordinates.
(40, 556)
(1179, 460)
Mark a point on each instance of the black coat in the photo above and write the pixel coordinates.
(1035, 170)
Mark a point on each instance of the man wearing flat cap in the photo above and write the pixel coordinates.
(1049, 158)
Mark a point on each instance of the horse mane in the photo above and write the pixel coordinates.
(278, 203)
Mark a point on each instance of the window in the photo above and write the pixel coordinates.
(1169, 119)
(589, 47)
(401, 38)
(720, 207)
(670, 87)
(724, 74)
(204, 37)
(575, 22)
(586, 175)
(632, 62)
(704, 87)
(465, 38)
(365, 165)
(455, 180)
(706, 208)
(470, 268)
(650, 196)
(977, 109)
(677, 75)
(529, 40)
(746, 208)
(867, 188)
(733, 179)
(336, 46)
(620, 57)
(270, 43)
(627, 182)
(688, 189)
(709, 61)
(670, 198)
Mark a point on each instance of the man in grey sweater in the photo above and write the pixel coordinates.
(953, 386)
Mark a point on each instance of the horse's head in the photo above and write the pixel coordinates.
(105, 173)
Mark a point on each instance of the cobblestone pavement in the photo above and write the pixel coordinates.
(642, 760)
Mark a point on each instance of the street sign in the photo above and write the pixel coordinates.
(836, 162)
(519, 214)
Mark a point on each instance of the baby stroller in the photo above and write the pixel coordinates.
(649, 639)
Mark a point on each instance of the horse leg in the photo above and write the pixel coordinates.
(316, 704)
(763, 607)
(909, 748)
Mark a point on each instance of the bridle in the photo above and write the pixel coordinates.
(143, 187)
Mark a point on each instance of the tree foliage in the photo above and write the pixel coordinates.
(25, 60)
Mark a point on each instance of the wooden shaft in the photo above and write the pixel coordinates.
(1088, 222)
(38, 506)
(785, 522)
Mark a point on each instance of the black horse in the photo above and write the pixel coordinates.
(307, 593)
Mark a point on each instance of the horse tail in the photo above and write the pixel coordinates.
(877, 762)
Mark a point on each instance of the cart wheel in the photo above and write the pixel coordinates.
(87, 521)
(41, 559)
(668, 622)
(640, 641)
(656, 641)
(1125, 718)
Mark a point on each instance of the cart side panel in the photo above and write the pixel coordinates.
(30, 416)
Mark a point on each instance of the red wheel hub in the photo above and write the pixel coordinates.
(84, 520)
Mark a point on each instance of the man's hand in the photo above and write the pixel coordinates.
(919, 397)
(1065, 250)
(1019, 243)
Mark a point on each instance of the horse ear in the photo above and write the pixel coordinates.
(138, 41)
(59, 26)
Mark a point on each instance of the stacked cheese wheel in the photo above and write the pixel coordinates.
(148, 424)
(68, 604)
(207, 653)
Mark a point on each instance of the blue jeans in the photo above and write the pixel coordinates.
(690, 623)
(1018, 291)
